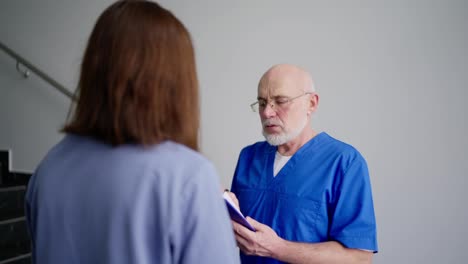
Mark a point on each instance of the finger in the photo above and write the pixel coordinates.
(242, 231)
(241, 241)
(243, 245)
(254, 223)
(234, 198)
(245, 250)
(238, 228)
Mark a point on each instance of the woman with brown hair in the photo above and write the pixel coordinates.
(127, 184)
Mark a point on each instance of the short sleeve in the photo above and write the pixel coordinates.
(353, 219)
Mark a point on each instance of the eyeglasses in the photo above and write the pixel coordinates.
(279, 102)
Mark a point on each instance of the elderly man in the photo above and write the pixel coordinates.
(307, 194)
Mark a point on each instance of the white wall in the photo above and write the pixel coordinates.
(391, 75)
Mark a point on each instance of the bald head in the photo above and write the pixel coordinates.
(290, 75)
(286, 101)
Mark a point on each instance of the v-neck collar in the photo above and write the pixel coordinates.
(290, 165)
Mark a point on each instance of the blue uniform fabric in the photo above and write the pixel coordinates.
(92, 203)
(322, 193)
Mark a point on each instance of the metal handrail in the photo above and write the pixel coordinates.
(39, 73)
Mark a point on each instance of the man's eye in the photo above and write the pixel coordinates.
(281, 101)
(262, 103)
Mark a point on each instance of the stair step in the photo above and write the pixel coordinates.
(14, 238)
(14, 178)
(7, 176)
(15, 244)
(12, 202)
(21, 259)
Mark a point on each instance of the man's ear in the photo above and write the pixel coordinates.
(313, 103)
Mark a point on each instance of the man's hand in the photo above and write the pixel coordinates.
(233, 198)
(263, 243)
(266, 243)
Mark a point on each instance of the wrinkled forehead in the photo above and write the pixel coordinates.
(274, 85)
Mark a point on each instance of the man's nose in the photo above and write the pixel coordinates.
(269, 110)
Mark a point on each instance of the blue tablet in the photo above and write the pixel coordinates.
(235, 214)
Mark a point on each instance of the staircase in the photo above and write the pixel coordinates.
(14, 237)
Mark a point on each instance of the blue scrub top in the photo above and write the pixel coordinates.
(89, 202)
(322, 193)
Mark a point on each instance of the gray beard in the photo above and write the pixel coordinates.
(282, 138)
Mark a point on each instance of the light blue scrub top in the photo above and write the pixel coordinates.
(88, 202)
(322, 193)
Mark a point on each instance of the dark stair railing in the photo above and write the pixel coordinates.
(45, 77)
(15, 246)
(14, 238)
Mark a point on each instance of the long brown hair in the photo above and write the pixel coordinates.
(138, 81)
